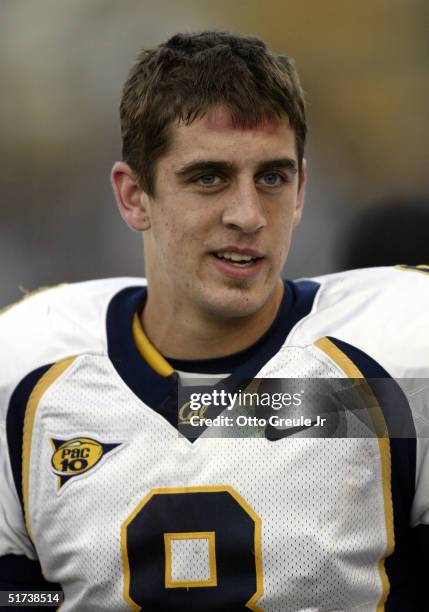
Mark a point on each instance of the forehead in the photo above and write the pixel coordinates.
(220, 119)
(216, 137)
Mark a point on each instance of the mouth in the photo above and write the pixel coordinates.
(238, 263)
(237, 259)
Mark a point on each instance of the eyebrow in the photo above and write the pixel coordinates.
(286, 163)
(221, 166)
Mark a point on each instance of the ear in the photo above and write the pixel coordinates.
(132, 201)
(301, 193)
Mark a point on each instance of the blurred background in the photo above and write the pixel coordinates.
(363, 65)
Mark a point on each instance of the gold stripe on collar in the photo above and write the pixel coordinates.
(147, 350)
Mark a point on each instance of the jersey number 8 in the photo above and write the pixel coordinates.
(168, 519)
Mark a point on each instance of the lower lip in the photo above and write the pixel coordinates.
(235, 271)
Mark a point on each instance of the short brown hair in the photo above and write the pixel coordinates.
(183, 78)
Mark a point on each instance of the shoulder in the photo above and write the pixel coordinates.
(382, 311)
(383, 284)
(53, 324)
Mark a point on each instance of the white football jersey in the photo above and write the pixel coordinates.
(101, 489)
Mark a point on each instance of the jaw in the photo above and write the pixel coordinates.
(233, 295)
(208, 315)
(210, 290)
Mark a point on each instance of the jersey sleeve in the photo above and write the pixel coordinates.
(414, 329)
(383, 312)
(33, 334)
(420, 510)
(19, 567)
(44, 328)
(13, 536)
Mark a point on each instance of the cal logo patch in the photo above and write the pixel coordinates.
(76, 456)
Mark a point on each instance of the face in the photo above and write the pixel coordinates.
(219, 226)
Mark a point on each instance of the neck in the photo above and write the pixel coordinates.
(179, 335)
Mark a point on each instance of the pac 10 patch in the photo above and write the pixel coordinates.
(77, 456)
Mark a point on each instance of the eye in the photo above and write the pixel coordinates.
(208, 180)
(272, 179)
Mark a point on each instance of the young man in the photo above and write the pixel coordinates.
(101, 492)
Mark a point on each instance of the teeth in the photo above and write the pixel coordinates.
(235, 257)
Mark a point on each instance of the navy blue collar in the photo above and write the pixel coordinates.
(161, 392)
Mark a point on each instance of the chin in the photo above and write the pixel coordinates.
(237, 301)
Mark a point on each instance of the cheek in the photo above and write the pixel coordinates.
(280, 240)
(174, 243)
(166, 229)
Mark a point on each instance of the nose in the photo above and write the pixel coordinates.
(244, 210)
